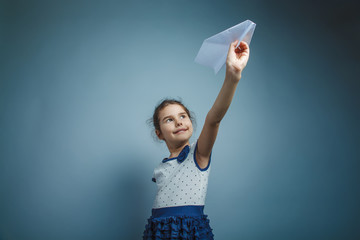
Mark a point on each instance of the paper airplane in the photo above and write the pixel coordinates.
(214, 50)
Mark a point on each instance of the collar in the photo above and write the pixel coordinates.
(182, 155)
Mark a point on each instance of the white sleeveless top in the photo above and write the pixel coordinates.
(181, 182)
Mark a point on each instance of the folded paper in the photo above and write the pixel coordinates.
(214, 49)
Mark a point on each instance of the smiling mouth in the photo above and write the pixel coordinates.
(180, 131)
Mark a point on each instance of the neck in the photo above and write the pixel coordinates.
(175, 149)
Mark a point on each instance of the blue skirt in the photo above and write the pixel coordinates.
(185, 222)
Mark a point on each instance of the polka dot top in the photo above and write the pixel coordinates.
(180, 180)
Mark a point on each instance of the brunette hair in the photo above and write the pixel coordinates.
(155, 121)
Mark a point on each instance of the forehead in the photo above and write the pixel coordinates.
(172, 109)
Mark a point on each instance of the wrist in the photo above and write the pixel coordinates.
(233, 77)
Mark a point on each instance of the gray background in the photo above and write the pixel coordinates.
(79, 79)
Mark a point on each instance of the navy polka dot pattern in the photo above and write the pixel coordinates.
(181, 184)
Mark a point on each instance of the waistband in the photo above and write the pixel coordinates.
(178, 211)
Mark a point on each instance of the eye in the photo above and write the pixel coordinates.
(168, 120)
(183, 116)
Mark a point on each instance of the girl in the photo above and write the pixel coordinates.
(182, 177)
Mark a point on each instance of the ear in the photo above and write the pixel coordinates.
(159, 135)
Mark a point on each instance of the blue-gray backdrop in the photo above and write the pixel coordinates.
(79, 79)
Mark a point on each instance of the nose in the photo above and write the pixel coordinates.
(178, 122)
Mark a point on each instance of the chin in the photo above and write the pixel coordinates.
(184, 138)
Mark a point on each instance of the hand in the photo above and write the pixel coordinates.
(237, 59)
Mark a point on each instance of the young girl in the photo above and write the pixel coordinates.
(182, 177)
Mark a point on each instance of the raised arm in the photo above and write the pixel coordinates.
(235, 62)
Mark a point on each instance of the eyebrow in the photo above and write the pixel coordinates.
(171, 115)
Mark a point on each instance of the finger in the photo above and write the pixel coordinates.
(244, 46)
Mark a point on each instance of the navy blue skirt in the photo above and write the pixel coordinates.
(185, 222)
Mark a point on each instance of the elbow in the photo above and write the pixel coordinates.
(213, 120)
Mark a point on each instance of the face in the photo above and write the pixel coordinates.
(175, 124)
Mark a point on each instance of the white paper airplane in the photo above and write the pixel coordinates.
(214, 50)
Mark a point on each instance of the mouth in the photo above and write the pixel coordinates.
(180, 130)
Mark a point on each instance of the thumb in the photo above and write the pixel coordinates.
(235, 42)
(233, 46)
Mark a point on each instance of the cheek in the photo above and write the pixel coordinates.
(164, 129)
(191, 126)
(190, 123)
